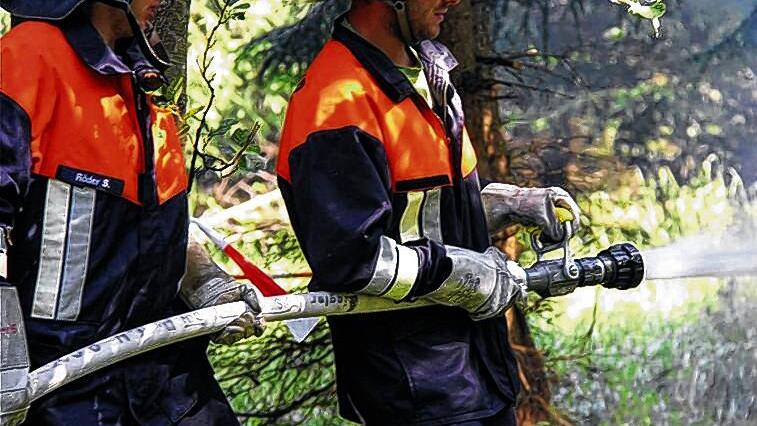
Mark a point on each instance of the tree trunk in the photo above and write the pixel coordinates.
(172, 24)
(468, 34)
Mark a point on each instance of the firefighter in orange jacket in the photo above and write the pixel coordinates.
(93, 213)
(379, 178)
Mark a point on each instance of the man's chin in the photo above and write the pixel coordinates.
(431, 33)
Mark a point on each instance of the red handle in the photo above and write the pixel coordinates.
(262, 281)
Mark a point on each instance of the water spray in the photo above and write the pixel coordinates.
(734, 253)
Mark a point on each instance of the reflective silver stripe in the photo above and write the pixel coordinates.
(431, 218)
(407, 273)
(14, 379)
(385, 268)
(409, 229)
(77, 253)
(395, 272)
(51, 250)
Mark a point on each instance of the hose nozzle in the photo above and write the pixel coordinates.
(620, 266)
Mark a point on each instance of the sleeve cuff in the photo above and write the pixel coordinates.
(395, 272)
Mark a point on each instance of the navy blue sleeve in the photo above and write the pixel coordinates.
(340, 203)
(15, 158)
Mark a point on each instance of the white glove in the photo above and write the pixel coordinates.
(484, 284)
(505, 204)
(205, 284)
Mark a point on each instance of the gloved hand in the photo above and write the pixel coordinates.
(505, 204)
(205, 284)
(484, 284)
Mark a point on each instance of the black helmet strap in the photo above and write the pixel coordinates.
(400, 7)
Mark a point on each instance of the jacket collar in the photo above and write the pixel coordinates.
(433, 53)
(93, 50)
(435, 58)
(389, 77)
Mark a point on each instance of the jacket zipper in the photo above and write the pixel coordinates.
(442, 121)
(147, 180)
(455, 159)
(443, 118)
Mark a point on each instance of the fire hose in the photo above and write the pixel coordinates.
(620, 267)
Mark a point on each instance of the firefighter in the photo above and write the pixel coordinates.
(379, 178)
(94, 216)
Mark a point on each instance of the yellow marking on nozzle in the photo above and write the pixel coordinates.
(564, 215)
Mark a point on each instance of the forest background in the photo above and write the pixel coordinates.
(654, 136)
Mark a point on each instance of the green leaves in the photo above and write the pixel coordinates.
(652, 12)
(238, 11)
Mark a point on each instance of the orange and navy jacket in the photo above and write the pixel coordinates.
(93, 184)
(376, 183)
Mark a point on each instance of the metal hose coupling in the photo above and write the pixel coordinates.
(620, 266)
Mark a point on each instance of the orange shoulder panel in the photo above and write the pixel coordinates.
(338, 91)
(79, 118)
(25, 67)
(332, 95)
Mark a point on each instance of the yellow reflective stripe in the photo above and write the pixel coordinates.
(409, 229)
(422, 216)
(395, 272)
(432, 215)
(384, 269)
(407, 273)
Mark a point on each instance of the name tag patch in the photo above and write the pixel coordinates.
(92, 180)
